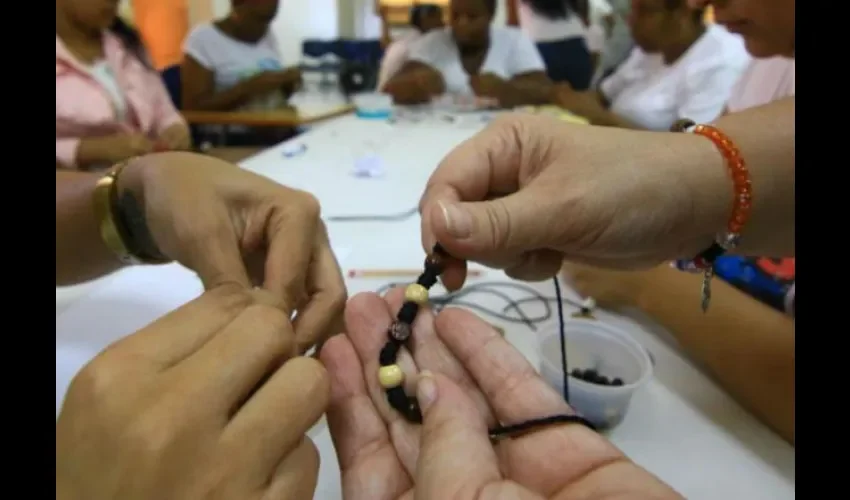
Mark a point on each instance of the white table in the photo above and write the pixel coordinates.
(681, 426)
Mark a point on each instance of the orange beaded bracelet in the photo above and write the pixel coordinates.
(741, 206)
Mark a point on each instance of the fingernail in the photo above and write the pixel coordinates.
(458, 221)
(426, 390)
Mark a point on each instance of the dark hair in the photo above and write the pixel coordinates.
(420, 11)
(131, 39)
(490, 5)
(552, 9)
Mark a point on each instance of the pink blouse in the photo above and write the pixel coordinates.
(86, 108)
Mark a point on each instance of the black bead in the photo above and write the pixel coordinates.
(389, 353)
(428, 278)
(577, 373)
(408, 311)
(617, 381)
(603, 380)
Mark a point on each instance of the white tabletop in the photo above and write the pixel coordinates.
(680, 426)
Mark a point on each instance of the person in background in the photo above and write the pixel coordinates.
(472, 57)
(746, 340)
(110, 103)
(163, 25)
(423, 18)
(681, 68)
(235, 64)
(618, 41)
(562, 38)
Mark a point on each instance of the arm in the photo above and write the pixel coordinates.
(199, 89)
(166, 114)
(745, 345)
(532, 88)
(512, 14)
(81, 254)
(765, 137)
(86, 152)
(415, 83)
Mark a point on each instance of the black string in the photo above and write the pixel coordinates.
(401, 330)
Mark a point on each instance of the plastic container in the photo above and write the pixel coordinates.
(373, 105)
(611, 352)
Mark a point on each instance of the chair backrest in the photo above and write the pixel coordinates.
(173, 83)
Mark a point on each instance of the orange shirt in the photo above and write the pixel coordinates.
(163, 25)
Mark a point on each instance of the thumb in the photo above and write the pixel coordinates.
(217, 257)
(517, 223)
(456, 459)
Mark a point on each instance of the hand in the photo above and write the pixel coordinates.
(176, 137)
(292, 80)
(268, 81)
(530, 190)
(475, 379)
(203, 403)
(113, 148)
(233, 226)
(584, 104)
(487, 85)
(608, 288)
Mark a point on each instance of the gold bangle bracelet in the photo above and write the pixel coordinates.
(104, 193)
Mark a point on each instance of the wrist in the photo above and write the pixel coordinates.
(131, 212)
(703, 172)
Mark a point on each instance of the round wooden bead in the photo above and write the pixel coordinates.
(416, 293)
(390, 376)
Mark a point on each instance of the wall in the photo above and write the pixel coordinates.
(367, 24)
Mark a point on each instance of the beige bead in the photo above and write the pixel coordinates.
(390, 376)
(416, 293)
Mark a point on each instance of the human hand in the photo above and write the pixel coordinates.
(530, 190)
(232, 226)
(113, 148)
(267, 81)
(203, 403)
(585, 104)
(479, 379)
(608, 287)
(176, 137)
(487, 85)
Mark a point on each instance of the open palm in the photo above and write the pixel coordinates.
(480, 379)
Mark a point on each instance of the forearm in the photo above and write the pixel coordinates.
(606, 118)
(92, 152)
(765, 137)
(226, 100)
(745, 345)
(526, 92)
(81, 254)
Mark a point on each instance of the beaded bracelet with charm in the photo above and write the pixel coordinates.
(391, 376)
(741, 207)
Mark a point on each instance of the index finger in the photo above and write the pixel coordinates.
(291, 234)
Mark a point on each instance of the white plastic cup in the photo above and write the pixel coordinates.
(611, 352)
(373, 105)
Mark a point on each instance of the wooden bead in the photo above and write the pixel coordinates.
(416, 293)
(390, 376)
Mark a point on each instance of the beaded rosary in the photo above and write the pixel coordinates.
(391, 376)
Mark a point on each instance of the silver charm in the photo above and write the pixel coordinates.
(706, 288)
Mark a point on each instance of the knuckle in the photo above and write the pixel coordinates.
(94, 382)
(230, 296)
(309, 205)
(151, 435)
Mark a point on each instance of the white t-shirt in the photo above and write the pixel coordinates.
(541, 29)
(766, 80)
(233, 61)
(654, 95)
(511, 53)
(395, 57)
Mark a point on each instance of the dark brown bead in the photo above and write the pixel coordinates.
(399, 331)
(435, 262)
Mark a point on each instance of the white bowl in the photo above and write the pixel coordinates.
(611, 352)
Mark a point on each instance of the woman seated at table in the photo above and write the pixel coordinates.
(681, 68)
(424, 18)
(234, 64)
(473, 58)
(562, 38)
(110, 104)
